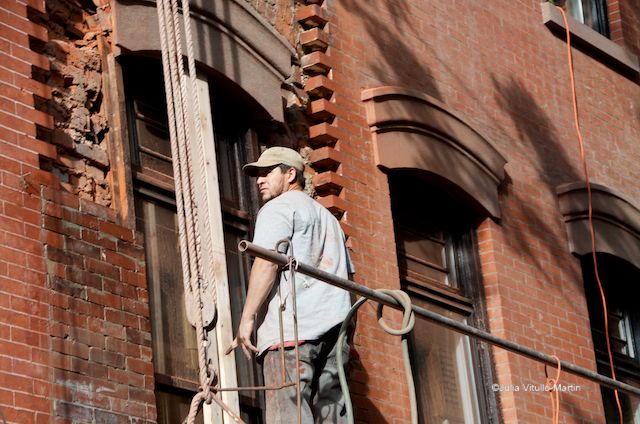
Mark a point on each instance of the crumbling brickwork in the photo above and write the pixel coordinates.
(76, 30)
(278, 13)
(74, 327)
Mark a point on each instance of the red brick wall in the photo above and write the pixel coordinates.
(24, 297)
(497, 65)
(629, 13)
(74, 327)
(99, 328)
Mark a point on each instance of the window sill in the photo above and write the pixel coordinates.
(590, 41)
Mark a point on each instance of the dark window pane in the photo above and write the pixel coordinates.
(620, 283)
(429, 231)
(174, 342)
(422, 257)
(155, 166)
(630, 406)
(444, 372)
(174, 347)
(592, 13)
(153, 138)
(249, 373)
(148, 124)
(173, 407)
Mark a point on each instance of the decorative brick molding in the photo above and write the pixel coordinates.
(321, 111)
(312, 15)
(616, 221)
(413, 130)
(229, 37)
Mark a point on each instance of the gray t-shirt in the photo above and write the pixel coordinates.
(318, 241)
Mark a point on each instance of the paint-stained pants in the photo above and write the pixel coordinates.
(322, 400)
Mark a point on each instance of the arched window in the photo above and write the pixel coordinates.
(241, 130)
(443, 178)
(438, 265)
(243, 61)
(620, 280)
(616, 222)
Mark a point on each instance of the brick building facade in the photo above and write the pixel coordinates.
(441, 134)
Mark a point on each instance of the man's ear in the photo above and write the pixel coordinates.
(291, 175)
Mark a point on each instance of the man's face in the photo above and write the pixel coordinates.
(272, 182)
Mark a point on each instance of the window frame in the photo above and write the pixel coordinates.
(627, 368)
(160, 190)
(591, 42)
(599, 22)
(467, 299)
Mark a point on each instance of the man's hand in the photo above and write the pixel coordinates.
(261, 280)
(243, 338)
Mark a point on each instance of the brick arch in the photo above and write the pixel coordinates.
(229, 37)
(412, 130)
(615, 219)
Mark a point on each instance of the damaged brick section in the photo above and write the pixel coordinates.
(77, 29)
(278, 13)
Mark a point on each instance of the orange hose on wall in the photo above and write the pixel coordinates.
(590, 206)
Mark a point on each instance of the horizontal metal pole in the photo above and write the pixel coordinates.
(277, 258)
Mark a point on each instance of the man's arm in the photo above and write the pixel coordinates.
(261, 280)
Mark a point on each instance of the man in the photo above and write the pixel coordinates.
(317, 240)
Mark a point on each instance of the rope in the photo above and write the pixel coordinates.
(592, 232)
(408, 321)
(180, 111)
(292, 266)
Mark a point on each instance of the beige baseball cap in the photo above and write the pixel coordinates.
(275, 156)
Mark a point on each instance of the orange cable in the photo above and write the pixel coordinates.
(590, 206)
(552, 386)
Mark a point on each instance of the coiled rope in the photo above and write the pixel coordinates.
(408, 321)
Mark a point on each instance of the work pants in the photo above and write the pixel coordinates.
(322, 399)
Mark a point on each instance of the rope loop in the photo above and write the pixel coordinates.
(408, 317)
(292, 264)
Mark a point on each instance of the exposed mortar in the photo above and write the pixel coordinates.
(77, 106)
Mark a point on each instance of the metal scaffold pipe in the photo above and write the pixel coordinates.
(280, 259)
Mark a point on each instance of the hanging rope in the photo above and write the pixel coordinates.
(182, 109)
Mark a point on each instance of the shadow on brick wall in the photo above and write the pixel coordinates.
(402, 65)
(537, 132)
(524, 225)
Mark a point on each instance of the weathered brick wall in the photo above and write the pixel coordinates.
(74, 316)
(497, 65)
(100, 336)
(76, 31)
(278, 13)
(24, 326)
(629, 13)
